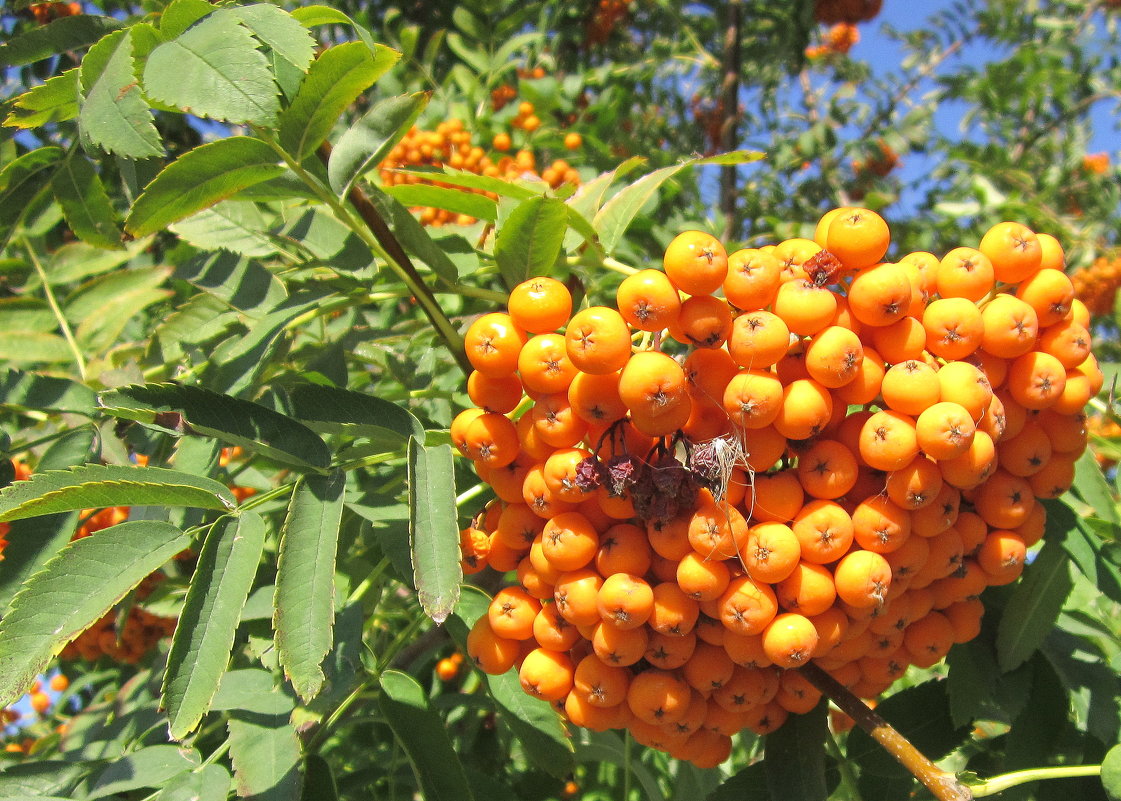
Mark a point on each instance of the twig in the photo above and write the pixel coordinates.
(59, 316)
(945, 786)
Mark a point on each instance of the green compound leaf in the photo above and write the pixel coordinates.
(204, 636)
(215, 69)
(334, 81)
(53, 101)
(530, 241)
(617, 214)
(232, 420)
(304, 605)
(199, 179)
(114, 114)
(434, 532)
(424, 736)
(72, 591)
(147, 767)
(265, 750)
(368, 141)
(282, 32)
(95, 486)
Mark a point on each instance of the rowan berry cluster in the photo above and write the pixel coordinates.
(1097, 285)
(127, 642)
(843, 455)
(840, 38)
(450, 144)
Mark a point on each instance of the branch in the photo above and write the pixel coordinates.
(392, 247)
(945, 786)
(730, 98)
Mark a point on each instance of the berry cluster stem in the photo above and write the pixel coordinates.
(943, 785)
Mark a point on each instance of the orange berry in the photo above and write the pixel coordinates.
(789, 640)
(880, 295)
(858, 237)
(493, 344)
(648, 300)
(653, 388)
(965, 273)
(573, 141)
(1014, 250)
(598, 340)
(540, 305)
(753, 279)
(696, 262)
(546, 674)
(502, 142)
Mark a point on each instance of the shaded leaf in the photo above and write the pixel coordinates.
(1111, 773)
(265, 752)
(530, 241)
(20, 181)
(23, 390)
(208, 783)
(57, 36)
(344, 411)
(232, 420)
(433, 530)
(423, 735)
(84, 202)
(921, 714)
(794, 756)
(304, 604)
(749, 784)
(336, 78)
(1090, 485)
(214, 69)
(72, 591)
(96, 486)
(204, 635)
(241, 283)
(114, 115)
(232, 225)
(42, 779)
(147, 767)
(200, 178)
(368, 141)
(1034, 606)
